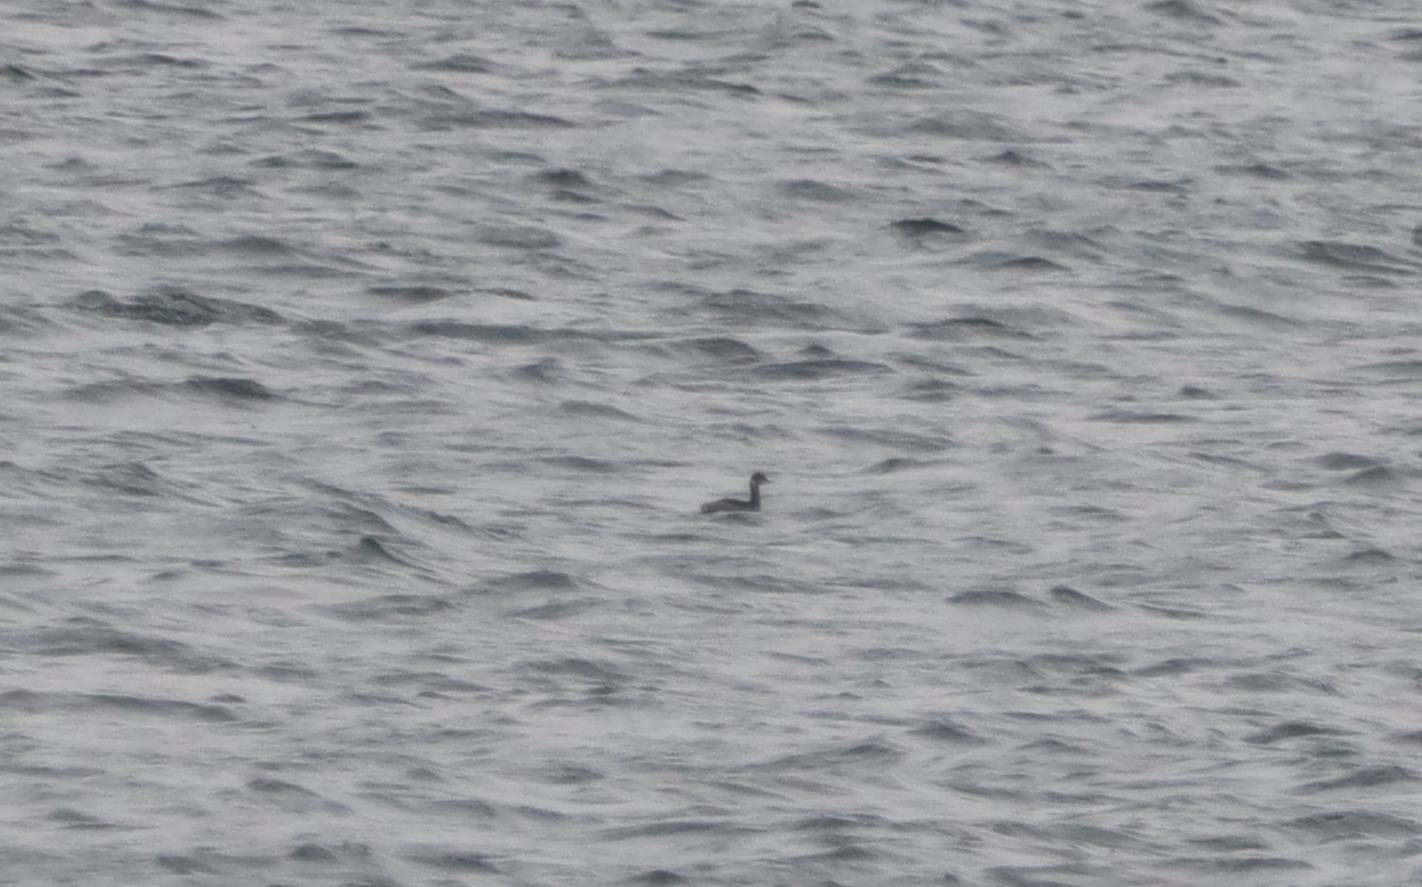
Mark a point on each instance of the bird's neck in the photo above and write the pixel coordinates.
(755, 494)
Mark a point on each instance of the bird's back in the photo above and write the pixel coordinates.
(728, 505)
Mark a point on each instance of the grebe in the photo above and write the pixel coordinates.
(739, 504)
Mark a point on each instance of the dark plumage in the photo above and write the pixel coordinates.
(739, 504)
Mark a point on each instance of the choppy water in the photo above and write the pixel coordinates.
(364, 365)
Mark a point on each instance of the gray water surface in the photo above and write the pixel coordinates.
(364, 365)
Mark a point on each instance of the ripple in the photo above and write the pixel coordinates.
(175, 307)
(415, 294)
(459, 63)
(927, 228)
(230, 388)
(463, 862)
(723, 349)
(27, 702)
(749, 305)
(1005, 261)
(535, 580)
(1065, 594)
(1335, 825)
(958, 328)
(1365, 777)
(817, 370)
(590, 409)
(520, 237)
(1290, 730)
(382, 608)
(1353, 257)
(1008, 600)
(946, 731)
(495, 119)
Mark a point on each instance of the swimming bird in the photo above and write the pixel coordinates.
(739, 504)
